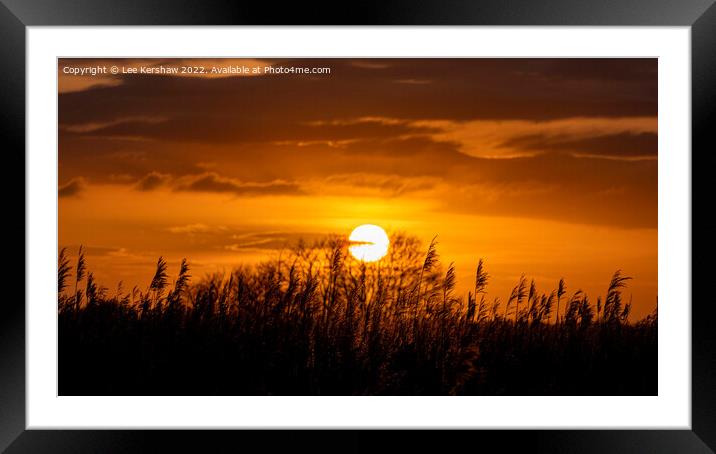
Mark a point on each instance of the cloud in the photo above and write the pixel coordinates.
(205, 68)
(72, 188)
(152, 181)
(511, 138)
(461, 90)
(368, 184)
(228, 128)
(72, 84)
(194, 229)
(271, 240)
(242, 110)
(416, 167)
(213, 182)
(625, 145)
(91, 127)
(359, 132)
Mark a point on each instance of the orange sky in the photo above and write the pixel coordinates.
(546, 167)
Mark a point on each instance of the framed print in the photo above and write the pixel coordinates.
(473, 216)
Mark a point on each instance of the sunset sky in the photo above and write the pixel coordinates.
(546, 167)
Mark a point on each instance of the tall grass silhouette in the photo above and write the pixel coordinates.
(317, 322)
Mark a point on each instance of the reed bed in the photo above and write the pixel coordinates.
(317, 322)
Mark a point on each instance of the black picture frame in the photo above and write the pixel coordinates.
(699, 15)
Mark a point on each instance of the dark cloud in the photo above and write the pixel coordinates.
(72, 188)
(624, 145)
(358, 128)
(227, 128)
(557, 185)
(369, 183)
(151, 181)
(212, 182)
(461, 89)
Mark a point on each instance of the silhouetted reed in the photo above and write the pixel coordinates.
(316, 321)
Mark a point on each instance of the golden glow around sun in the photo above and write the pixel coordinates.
(369, 243)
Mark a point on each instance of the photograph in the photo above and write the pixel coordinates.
(357, 226)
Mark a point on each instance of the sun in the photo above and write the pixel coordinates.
(369, 243)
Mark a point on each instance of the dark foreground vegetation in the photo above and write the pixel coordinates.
(318, 323)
